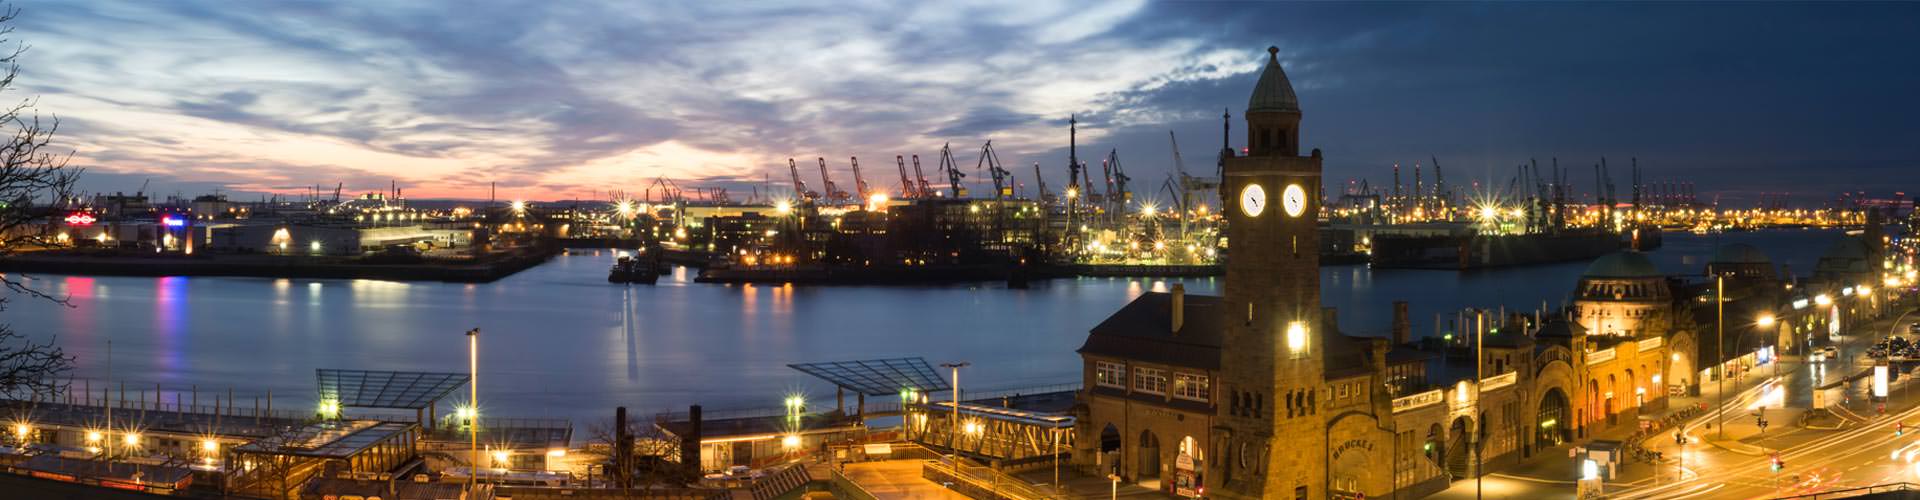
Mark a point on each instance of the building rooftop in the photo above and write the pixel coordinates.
(1143, 330)
(1626, 264)
(329, 439)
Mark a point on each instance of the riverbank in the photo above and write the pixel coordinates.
(481, 270)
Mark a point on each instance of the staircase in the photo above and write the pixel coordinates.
(1459, 459)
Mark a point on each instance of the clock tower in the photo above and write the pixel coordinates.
(1270, 435)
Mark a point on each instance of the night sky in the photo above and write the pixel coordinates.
(576, 98)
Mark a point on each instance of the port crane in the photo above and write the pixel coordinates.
(925, 190)
(859, 182)
(799, 186)
(833, 192)
(953, 171)
(1046, 197)
(906, 183)
(1117, 193)
(1002, 183)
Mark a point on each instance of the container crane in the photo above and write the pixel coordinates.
(953, 171)
(906, 183)
(800, 186)
(859, 182)
(924, 190)
(833, 192)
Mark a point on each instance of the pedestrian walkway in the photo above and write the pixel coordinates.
(897, 480)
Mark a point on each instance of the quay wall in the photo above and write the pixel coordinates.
(489, 270)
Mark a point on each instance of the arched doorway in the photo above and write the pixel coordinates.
(1459, 456)
(1188, 465)
(1110, 448)
(1550, 420)
(1147, 471)
(1633, 389)
(1680, 371)
(1613, 418)
(1432, 448)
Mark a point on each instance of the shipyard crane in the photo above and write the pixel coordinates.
(1117, 182)
(1046, 197)
(924, 190)
(336, 192)
(859, 182)
(953, 171)
(833, 191)
(1002, 188)
(906, 183)
(799, 186)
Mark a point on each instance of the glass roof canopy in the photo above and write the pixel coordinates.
(386, 389)
(878, 377)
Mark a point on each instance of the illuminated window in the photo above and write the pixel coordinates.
(1150, 380)
(1110, 374)
(1191, 386)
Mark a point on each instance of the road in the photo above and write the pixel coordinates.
(1859, 455)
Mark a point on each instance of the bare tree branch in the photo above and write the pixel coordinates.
(36, 188)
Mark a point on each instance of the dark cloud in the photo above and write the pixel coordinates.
(1735, 97)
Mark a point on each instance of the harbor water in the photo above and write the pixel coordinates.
(559, 341)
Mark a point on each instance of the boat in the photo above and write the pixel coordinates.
(631, 269)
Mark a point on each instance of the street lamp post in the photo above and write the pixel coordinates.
(473, 402)
(1720, 365)
(953, 434)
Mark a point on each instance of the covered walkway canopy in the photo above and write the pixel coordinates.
(417, 391)
(876, 377)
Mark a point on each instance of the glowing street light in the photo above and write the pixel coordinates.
(784, 207)
(1766, 320)
(1822, 299)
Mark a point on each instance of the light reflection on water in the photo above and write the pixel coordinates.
(558, 340)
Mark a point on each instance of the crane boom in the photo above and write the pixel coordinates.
(799, 186)
(859, 182)
(924, 190)
(906, 183)
(953, 171)
(832, 192)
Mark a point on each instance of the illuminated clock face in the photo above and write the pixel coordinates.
(1253, 200)
(1294, 200)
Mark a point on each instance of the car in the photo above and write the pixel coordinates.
(1913, 327)
(1831, 351)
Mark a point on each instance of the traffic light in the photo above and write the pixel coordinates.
(1777, 463)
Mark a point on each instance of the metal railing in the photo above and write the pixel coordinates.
(983, 479)
(886, 405)
(846, 488)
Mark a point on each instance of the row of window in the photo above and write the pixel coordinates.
(1183, 385)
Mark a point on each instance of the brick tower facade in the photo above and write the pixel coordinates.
(1270, 440)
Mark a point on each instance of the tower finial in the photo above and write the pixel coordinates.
(1273, 52)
